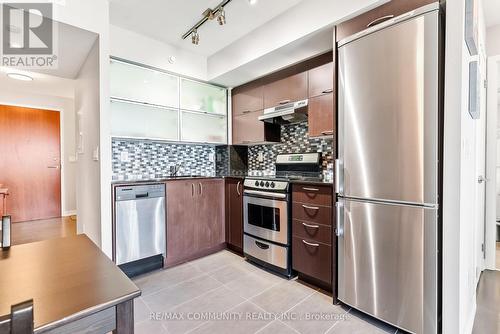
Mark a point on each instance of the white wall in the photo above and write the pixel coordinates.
(493, 40)
(142, 49)
(301, 20)
(9, 95)
(460, 182)
(87, 105)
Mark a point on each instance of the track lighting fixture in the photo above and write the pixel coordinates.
(222, 17)
(209, 14)
(195, 37)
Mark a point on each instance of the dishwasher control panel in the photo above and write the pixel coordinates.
(141, 191)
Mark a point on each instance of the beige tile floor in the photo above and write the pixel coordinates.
(222, 293)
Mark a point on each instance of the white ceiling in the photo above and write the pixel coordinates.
(492, 12)
(42, 84)
(167, 21)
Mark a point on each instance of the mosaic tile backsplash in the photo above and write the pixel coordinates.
(139, 159)
(294, 139)
(132, 159)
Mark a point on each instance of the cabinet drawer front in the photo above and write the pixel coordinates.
(266, 251)
(314, 214)
(312, 231)
(312, 194)
(312, 259)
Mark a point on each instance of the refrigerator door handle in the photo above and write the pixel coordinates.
(340, 219)
(339, 177)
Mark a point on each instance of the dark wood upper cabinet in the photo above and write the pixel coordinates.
(234, 214)
(247, 100)
(321, 80)
(292, 88)
(378, 15)
(247, 129)
(321, 115)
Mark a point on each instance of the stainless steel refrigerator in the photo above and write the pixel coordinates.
(387, 175)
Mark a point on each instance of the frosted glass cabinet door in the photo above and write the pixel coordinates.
(142, 121)
(199, 96)
(139, 84)
(202, 128)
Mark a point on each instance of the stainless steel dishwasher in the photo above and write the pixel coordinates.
(140, 227)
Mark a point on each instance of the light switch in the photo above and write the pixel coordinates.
(260, 156)
(211, 157)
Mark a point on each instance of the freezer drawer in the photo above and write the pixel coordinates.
(388, 262)
(388, 113)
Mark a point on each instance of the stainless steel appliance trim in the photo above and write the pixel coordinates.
(385, 24)
(302, 158)
(391, 202)
(280, 236)
(275, 254)
(264, 193)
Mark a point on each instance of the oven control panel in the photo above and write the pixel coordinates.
(271, 185)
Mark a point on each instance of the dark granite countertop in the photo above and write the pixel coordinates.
(130, 181)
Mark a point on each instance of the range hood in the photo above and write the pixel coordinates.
(293, 112)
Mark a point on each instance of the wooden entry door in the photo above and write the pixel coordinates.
(30, 162)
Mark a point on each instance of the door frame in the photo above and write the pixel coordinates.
(491, 157)
(62, 143)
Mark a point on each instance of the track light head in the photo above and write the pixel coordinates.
(221, 18)
(195, 37)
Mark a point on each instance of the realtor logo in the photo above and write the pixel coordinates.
(28, 35)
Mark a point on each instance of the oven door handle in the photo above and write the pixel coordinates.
(264, 194)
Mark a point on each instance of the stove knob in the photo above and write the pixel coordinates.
(272, 184)
(256, 183)
(261, 183)
(267, 184)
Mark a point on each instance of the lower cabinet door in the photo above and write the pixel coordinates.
(312, 258)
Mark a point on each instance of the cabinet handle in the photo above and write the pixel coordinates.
(327, 91)
(201, 189)
(310, 189)
(238, 188)
(192, 189)
(246, 111)
(379, 20)
(310, 207)
(284, 102)
(310, 244)
(326, 133)
(310, 226)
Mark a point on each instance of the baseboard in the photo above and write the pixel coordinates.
(69, 213)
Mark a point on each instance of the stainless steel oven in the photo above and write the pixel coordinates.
(266, 217)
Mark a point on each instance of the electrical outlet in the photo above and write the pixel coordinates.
(260, 157)
(211, 157)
